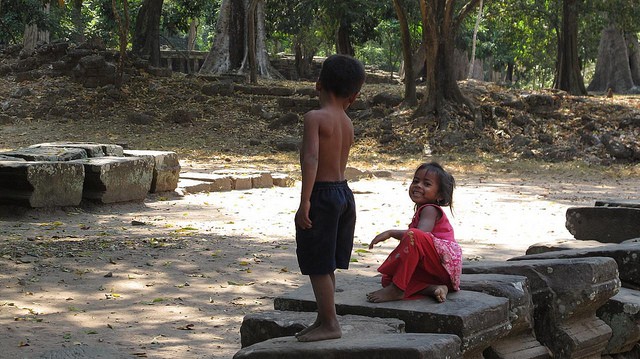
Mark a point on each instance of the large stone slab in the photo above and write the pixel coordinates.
(566, 294)
(629, 203)
(626, 255)
(604, 224)
(41, 184)
(381, 346)
(48, 154)
(215, 182)
(92, 149)
(9, 158)
(622, 314)
(261, 326)
(562, 245)
(477, 318)
(116, 179)
(520, 342)
(166, 169)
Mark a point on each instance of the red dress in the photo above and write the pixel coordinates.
(422, 258)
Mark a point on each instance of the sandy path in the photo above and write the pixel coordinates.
(177, 281)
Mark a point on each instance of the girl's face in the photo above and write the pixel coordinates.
(425, 188)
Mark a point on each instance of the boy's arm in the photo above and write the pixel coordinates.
(309, 166)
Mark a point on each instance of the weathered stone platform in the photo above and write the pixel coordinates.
(91, 149)
(477, 318)
(41, 184)
(258, 327)
(604, 224)
(566, 294)
(628, 203)
(627, 257)
(622, 314)
(380, 346)
(562, 245)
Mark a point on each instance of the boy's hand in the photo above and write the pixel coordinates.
(302, 215)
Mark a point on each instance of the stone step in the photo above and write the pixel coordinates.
(566, 294)
(41, 184)
(562, 245)
(166, 169)
(626, 256)
(604, 224)
(477, 318)
(258, 327)
(116, 179)
(92, 149)
(628, 203)
(380, 346)
(520, 343)
(47, 154)
(622, 314)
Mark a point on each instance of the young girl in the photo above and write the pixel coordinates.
(428, 260)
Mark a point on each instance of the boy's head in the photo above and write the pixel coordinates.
(341, 75)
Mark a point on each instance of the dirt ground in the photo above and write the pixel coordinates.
(173, 277)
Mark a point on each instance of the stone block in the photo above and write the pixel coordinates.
(626, 255)
(282, 180)
(477, 318)
(41, 184)
(261, 326)
(628, 203)
(562, 245)
(242, 182)
(622, 314)
(166, 169)
(194, 186)
(520, 342)
(566, 294)
(9, 158)
(91, 148)
(217, 183)
(262, 180)
(117, 179)
(354, 174)
(47, 154)
(381, 346)
(604, 224)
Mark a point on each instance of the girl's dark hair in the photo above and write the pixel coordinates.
(342, 75)
(447, 182)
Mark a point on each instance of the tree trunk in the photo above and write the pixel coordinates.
(193, 33)
(612, 66)
(146, 39)
(78, 23)
(439, 29)
(569, 77)
(634, 57)
(473, 42)
(218, 59)
(410, 98)
(343, 41)
(33, 35)
(251, 38)
(123, 37)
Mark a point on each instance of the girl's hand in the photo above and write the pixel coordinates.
(379, 238)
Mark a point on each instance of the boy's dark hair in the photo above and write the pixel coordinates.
(447, 182)
(342, 75)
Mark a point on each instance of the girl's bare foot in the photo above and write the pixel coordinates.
(439, 292)
(386, 294)
(320, 332)
(313, 326)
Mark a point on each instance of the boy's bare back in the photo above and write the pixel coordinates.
(334, 140)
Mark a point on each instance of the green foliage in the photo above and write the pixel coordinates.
(15, 14)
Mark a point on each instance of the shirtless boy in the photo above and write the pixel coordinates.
(325, 220)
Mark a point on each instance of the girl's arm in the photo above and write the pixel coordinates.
(395, 233)
(428, 217)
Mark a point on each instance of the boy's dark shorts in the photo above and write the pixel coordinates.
(328, 243)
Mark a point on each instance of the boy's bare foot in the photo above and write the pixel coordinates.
(386, 294)
(320, 332)
(304, 331)
(439, 292)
